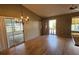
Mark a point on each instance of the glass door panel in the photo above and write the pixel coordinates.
(9, 32)
(14, 31)
(18, 32)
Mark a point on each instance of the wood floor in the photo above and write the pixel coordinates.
(45, 45)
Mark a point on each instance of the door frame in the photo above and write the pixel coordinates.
(13, 35)
(53, 30)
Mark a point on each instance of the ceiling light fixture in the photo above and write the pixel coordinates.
(21, 16)
(73, 7)
(27, 19)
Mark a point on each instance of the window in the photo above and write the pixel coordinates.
(75, 24)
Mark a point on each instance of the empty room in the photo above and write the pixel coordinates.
(39, 29)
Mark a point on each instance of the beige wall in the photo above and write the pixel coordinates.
(31, 28)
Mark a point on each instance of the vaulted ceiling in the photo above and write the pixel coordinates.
(47, 10)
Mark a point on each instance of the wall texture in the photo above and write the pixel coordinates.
(45, 27)
(63, 26)
(31, 28)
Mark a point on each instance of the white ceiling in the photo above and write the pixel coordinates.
(47, 10)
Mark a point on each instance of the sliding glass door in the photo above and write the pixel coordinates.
(9, 32)
(18, 32)
(14, 31)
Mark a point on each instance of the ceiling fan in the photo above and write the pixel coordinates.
(73, 7)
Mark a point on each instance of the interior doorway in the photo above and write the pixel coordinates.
(14, 31)
(52, 27)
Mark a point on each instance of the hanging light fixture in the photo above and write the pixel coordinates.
(21, 17)
(27, 19)
(18, 20)
(21, 12)
(24, 19)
